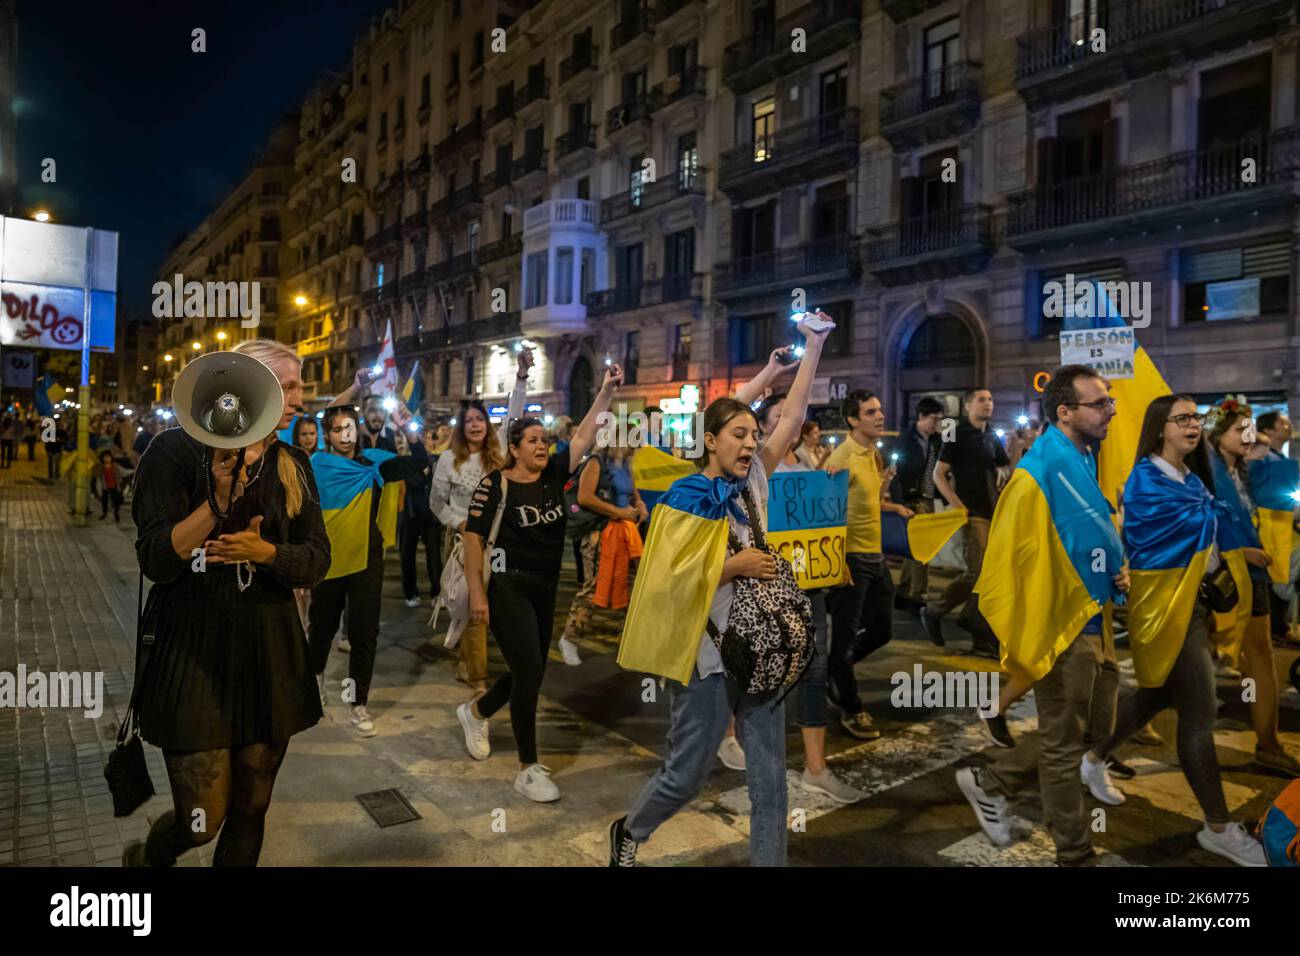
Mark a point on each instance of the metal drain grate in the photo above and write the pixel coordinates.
(387, 807)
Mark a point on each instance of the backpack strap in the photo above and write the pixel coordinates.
(143, 645)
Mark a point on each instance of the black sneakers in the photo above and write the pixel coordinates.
(998, 732)
(622, 848)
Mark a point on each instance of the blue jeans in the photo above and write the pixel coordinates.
(699, 716)
(812, 685)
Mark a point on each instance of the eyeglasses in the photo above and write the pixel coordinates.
(1100, 405)
(1183, 421)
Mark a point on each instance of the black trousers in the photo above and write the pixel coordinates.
(7, 452)
(414, 529)
(110, 495)
(521, 613)
(866, 605)
(361, 593)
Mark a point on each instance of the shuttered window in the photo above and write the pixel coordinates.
(1111, 271)
(1270, 260)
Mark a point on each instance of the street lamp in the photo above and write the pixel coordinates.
(300, 300)
(196, 345)
(168, 357)
(41, 215)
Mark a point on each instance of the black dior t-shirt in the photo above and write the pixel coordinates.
(532, 527)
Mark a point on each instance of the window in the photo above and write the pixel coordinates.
(507, 224)
(834, 90)
(424, 92)
(383, 129)
(681, 349)
(1236, 283)
(469, 376)
(942, 51)
(688, 160)
(584, 188)
(473, 238)
(564, 275)
(1049, 326)
(478, 49)
(634, 85)
(627, 267)
(636, 180)
(453, 70)
(682, 59)
(400, 119)
(535, 291)
(631, 357)
(383, 75)
(446, 376)
(764, 127)
(587, 276)
(840, 340)
(269, 229)
(455, 9)
(750, 335)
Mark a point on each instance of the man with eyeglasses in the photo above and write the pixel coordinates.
(967, 476)
(1054, 556)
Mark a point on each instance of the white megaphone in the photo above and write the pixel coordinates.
(227, 400)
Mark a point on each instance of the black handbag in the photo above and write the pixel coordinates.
(1219, 590)
(127, 774)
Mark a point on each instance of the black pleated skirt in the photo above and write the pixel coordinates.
(228, 668)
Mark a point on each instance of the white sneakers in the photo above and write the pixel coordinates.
(413, 602)
(535, 783)
(1096, 778)
(731, 754)
(990, 811)
(361, 721)
(829, 785)
(476, 733)
(569, 651)
(1234, 843)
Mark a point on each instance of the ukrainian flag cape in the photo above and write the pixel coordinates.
(1236, 531)
(1052, 551)
(678, 576)
(654, 471)
(1272, 480)
(345, 486)
(921, 536)
(1169, 531)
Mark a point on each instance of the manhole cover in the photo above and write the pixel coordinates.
(387, 807)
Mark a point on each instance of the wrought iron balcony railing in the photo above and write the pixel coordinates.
(791, 145)
(577, 62)
(821, 257)
(580, 137)
(627, 113)
(648, 195)
(766, 53)
(638, 23)
(955, 85)
(510, 245)
(940, 232)
(673, 288)
(678, 86)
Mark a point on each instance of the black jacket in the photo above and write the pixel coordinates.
(912, 463)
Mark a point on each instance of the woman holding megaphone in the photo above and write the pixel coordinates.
(226, 681)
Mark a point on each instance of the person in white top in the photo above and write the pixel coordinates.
(458, 472)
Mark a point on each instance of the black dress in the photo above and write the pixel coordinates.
(228, 667)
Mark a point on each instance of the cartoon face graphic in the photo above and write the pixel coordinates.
(66, 331)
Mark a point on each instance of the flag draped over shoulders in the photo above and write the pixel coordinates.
(1272, 481)
(1169, 531)
(345, 486)
(678, 576)
(1052, 552)
(1236, 531)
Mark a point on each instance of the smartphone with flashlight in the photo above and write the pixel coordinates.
(815, 321)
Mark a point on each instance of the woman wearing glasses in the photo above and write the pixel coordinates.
(456, 476)
(1231, 436)
(1171, 526)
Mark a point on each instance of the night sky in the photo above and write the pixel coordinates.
(149, 136)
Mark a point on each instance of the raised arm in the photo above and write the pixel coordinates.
(796, 403)
(753, 390)
(585, 436)
(515, 407)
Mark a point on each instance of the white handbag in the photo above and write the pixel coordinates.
(453, 590)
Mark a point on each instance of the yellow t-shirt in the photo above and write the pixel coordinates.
(864, 495)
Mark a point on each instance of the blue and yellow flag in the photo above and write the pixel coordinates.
(654, 471)
(413, 389)
(345, 487)
(678, 576)
(1236, 531)
(1273, 480)
(1051, 554)
(1169, 531)
(921, 536)
(47, 394)
(806, 524)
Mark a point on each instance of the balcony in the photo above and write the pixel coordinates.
(454, 268)
(416, 222)
(347, 340)
(654, 292)
(1187, 188)
(677, 87)
(498, 325)
(1056, 62)
(503, 248)
(580, 137)
(537, 91)
(313, 345)
(629, 116)
(900, 10)
(469, 135)
(822, 263)
(670, 8)
(465, 201)
(527, 165)
(577, 63)
(942, 244)
(387, 184)
(763, 56)
(794, 155)
(417, 170)
(561, 214)
(639, 24)
(932, 107)
(413, 283)
(384, 238)
(650, 195)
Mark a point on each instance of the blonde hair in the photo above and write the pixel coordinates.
(272, 353)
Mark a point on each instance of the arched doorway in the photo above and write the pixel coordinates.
(580, 387)
(940, 360)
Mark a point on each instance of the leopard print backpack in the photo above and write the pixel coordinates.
(769, 637)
